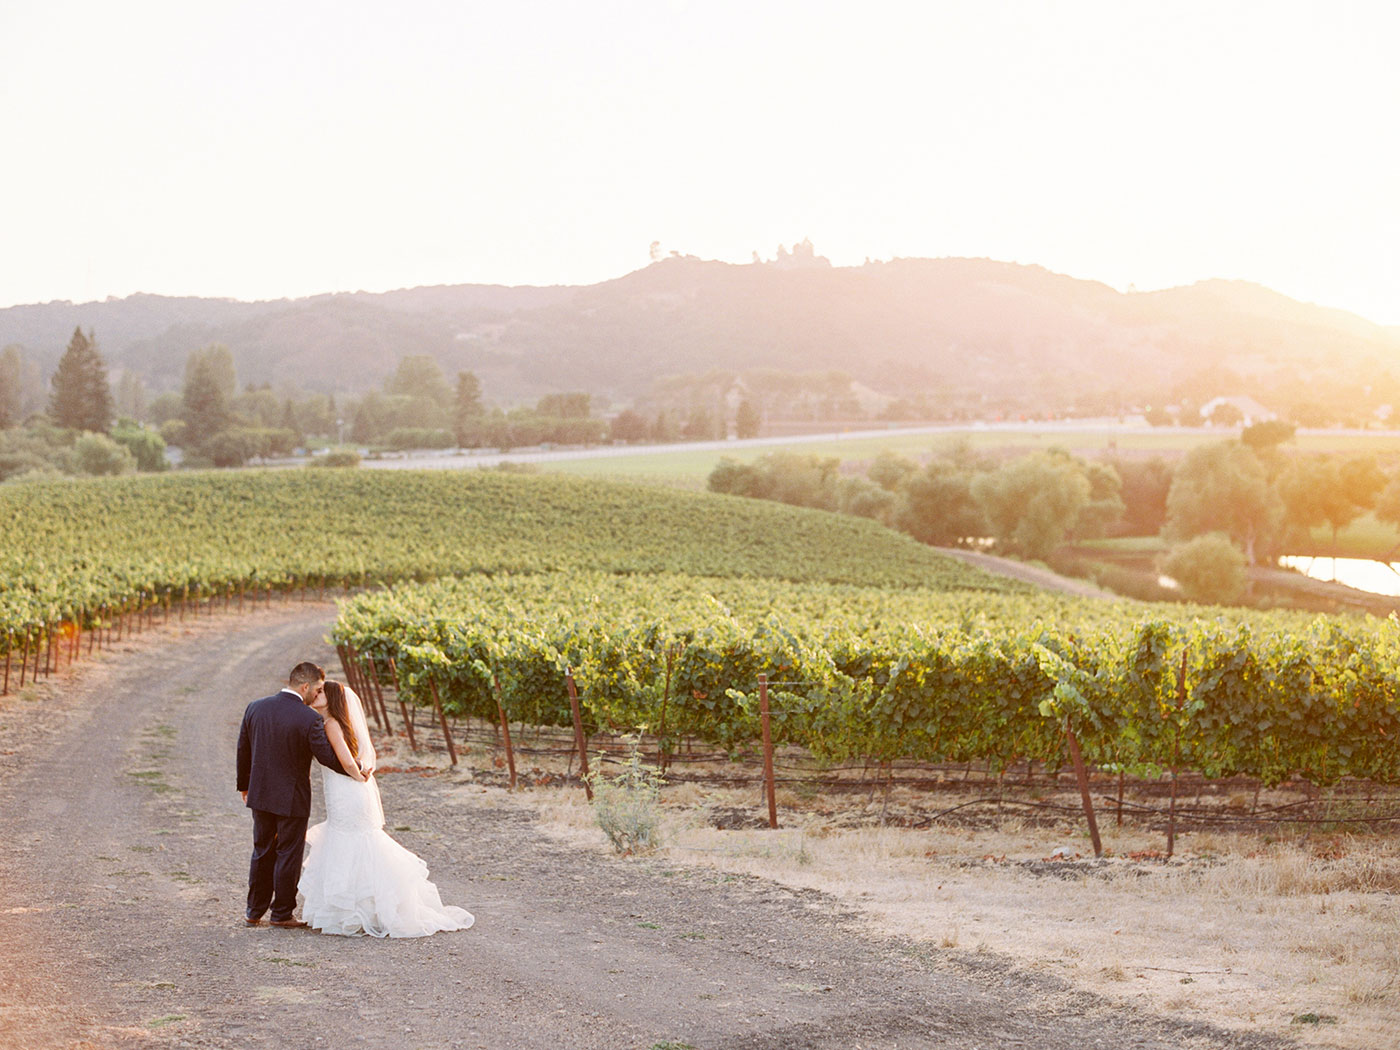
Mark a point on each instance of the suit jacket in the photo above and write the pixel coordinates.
(279, 737)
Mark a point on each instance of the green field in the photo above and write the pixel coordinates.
(1364, 538)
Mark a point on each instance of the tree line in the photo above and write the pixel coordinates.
(83, 423)
(1223, 506)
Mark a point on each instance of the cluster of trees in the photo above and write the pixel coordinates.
(87, 424)
(419, 408)
(76, 430)
(1225, 505)
(1030, 505)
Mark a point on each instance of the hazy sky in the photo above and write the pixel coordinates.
(261, 150)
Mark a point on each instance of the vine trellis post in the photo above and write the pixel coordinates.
(579, 740)
(442, 720)
(1176, 753)
(505, 727)
(769, 783)
(379, 694)
(1081, 774)
(403, 708)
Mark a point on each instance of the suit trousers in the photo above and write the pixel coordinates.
(278, 843)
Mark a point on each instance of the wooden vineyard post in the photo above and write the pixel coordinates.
(371, 678)
(403, 708)
(351, 663)
(378, 692)
(578, 733)
(24, 658)
(665, 696)
(1176, 753)
(9, 644)
(347, 666)
(364, 668)
(1082, 775)
(769, 783)
(358, 682)
(505, 728)
(442, 719)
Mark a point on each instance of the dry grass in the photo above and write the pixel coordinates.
(1242, 930)
(1235, 930)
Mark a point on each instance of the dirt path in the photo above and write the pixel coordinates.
(123, 858)
(1032, 574)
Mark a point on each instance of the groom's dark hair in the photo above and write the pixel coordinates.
(305, 673)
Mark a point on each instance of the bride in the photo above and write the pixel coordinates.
(357, 879)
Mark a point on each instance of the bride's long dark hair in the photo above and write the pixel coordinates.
(338, 709)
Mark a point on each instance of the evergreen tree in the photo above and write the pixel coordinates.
(210, 384)
(290, 421)
(81, 397)
(467, 410)
(418, 375)
(10, 380)
(131, 395)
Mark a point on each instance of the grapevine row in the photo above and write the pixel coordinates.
(879, 674)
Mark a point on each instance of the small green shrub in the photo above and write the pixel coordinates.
(1209, 568)
(338, 457)
(97, 454)
(628, 806)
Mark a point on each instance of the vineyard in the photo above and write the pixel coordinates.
(878, 674)
(664, 608)
(82, 555)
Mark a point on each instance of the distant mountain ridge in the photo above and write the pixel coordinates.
(967, 328)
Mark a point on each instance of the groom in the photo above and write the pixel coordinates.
(279, 736)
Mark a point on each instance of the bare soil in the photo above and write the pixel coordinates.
(123, 859)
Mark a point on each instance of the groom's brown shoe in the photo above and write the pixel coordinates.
(249, 920)
(288, 924)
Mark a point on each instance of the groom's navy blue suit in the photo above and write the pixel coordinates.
(279, 737)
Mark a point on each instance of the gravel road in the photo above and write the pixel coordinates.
(123, 859)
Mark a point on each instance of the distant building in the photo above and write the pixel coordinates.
(1251, 411)
(802, 257)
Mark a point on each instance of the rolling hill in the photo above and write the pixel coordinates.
(967, 328)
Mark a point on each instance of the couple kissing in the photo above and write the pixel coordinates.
(355, 879)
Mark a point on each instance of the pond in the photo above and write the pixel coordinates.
(1364, 574)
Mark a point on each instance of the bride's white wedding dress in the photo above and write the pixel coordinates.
(358, 880)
